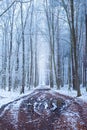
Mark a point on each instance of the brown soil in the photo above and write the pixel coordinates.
(44, 109)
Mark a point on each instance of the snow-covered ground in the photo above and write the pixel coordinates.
(6, 97)
(73, 93)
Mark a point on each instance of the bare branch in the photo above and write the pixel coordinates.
(24, 1)
(12, 5)
(7, 8)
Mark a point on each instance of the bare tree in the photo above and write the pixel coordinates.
(23, 25)
(71, 22)
(4, 56)
(10, 49)
(85, 51)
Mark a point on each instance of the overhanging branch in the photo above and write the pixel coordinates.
(7, 8)
(27, 1)
(12, 4)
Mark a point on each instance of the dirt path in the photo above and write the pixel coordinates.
(44, 110)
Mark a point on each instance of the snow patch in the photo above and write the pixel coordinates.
(72, 119)
(14, 110)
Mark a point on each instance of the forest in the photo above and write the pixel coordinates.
(43, 42)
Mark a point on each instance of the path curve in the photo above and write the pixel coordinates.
(44, 109)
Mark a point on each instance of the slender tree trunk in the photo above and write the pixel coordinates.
(28, 66)
(58, 75)
(23, 52)
(16, 81)
(4, 59)
(31, 64)
(36, 70)
(73, 68)
(69, 71)
(10, 55)
(31, 51)
(51, 72)
(86, 52)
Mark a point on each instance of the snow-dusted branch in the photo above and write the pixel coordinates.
(12, 5)
(27, 1)
(7, 8)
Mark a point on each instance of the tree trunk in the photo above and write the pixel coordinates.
(77, 85)
(23, 52)
(4, 59)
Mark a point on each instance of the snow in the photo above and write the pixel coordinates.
(72, 93)
(54, 106)
(6, 97)
(14, 111)
(72, 120)
(42, 87)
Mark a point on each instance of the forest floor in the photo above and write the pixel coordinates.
(43, 109)
(6, 96)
